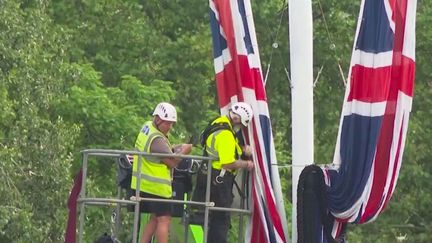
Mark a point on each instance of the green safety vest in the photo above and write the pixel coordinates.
(155, 175)
(226, 137)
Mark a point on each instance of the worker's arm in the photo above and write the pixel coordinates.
(239, 164)
(159, 145)
(182, 148)
(226, 147)
(178, 149)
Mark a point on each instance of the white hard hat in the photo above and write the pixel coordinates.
(244, 110)
(166, 112)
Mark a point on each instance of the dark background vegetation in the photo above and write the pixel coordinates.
(77, 74)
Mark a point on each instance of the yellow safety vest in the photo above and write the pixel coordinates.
(223, 145)
(155, 175)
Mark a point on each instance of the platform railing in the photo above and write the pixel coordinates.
(134, 200)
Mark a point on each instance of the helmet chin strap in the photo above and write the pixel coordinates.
(157, 121)
(237, 127)
(230, 116)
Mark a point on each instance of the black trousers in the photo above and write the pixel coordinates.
(221, 194)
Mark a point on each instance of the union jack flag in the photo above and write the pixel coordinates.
(375, 113)
(239, 78)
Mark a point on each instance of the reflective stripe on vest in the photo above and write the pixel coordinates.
(155, 175)
(152, 179)
(211, 149)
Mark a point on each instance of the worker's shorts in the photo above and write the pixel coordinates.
(158, 208)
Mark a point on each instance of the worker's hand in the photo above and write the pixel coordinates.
(185, 148)
(249, 165)
(247, 150)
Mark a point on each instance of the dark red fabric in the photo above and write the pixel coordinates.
(70, 235)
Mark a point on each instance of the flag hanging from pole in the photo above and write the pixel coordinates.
(375, 116)
(376, 110)
(239, 78)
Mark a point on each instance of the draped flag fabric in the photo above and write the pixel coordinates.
(70, 235)
(375, 113)
(376, 110)
(239, 78)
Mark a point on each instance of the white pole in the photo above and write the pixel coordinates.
(301, 55)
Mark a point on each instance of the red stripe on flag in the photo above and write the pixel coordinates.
(258, 233)
(226, 85)
(381, 167)
(372, 85)
(407, 75)
(251, 78)
(382, 157)
(369, 84)
(402, 76)
(225, 21)
(270, 203)
(403, 68)
(226, 81)
(396, 165)
(399, 10)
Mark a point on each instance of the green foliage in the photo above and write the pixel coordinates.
(115, 36)
(271, 18)
(332, 50)
(35, 148)
(87, 73)
(110, 117)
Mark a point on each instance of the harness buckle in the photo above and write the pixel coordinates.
(219, 178)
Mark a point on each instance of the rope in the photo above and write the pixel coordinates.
(291, 165)
(275, 45)
(318, 75)
(332, 44)
(280, 54)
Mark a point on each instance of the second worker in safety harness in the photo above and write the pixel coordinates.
(223, 144)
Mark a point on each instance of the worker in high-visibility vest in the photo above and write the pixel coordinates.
(223, 144)
(156, 172)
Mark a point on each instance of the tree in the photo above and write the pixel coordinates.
(89, 78)
(35, 147)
